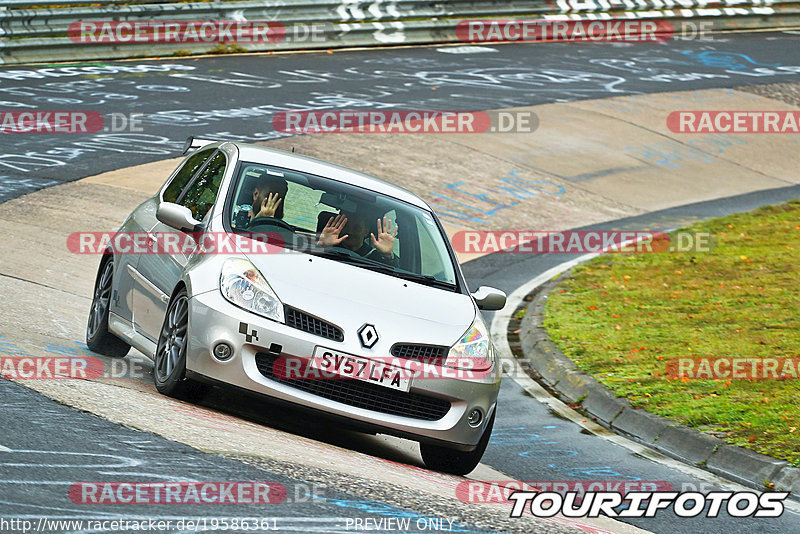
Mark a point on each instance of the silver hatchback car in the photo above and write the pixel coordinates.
(304, 282)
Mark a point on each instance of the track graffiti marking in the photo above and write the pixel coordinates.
(477, 202)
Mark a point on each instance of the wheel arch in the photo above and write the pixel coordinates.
(177, 289)
(107, 255)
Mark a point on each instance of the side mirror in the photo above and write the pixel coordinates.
(177, 216)
(489, 298)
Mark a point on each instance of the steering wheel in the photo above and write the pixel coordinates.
(272, 221)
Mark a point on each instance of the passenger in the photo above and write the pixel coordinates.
(355, 231)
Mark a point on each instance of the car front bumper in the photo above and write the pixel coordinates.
(213, 320)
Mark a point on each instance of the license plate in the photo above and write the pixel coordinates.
(358, 368)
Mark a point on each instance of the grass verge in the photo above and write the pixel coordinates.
(622, 317)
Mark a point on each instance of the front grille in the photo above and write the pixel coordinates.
(419, 352)
(312, 325)
(357, 393)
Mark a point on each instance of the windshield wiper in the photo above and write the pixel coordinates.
(383, 268)
(338, 255)
(346, 257)
(426, 279)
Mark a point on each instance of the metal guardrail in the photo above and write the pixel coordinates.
(12, 4)
(31, 34)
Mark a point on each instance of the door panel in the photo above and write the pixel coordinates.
(158, 274)
(156, 277)
(141, 220)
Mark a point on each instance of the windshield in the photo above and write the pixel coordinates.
(339, 221)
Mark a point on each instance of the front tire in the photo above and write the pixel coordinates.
(455, 462)
(169, 369)
(98, 338)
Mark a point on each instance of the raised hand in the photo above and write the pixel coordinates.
(384, 243)
(270, 205)
(330, 233)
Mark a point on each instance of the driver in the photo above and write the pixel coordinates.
(268, 195)
(355, 231)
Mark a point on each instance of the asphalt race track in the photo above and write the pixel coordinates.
(111, 451)
(235, 98)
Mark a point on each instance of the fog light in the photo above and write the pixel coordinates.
(223, 352)
(475, 417)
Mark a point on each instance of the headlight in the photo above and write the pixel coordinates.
(474, 351)
(242, 284)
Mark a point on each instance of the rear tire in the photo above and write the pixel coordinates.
(98, 338)
(455, 462)
(169, 369)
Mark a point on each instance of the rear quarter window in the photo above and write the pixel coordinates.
(190, 166)
(202, 193)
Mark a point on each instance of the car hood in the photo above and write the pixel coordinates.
(350, 297)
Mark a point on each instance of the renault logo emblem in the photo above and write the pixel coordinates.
(368, 335)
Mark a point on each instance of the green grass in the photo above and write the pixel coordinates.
(621, 317)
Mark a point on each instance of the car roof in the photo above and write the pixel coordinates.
(298, 162)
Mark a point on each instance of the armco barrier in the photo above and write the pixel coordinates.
(29, 33)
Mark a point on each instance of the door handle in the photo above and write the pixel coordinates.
(153, 241)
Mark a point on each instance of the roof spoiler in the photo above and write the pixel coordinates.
(193, 144)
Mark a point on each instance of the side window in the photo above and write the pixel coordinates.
(202, 194)
(190, 166)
